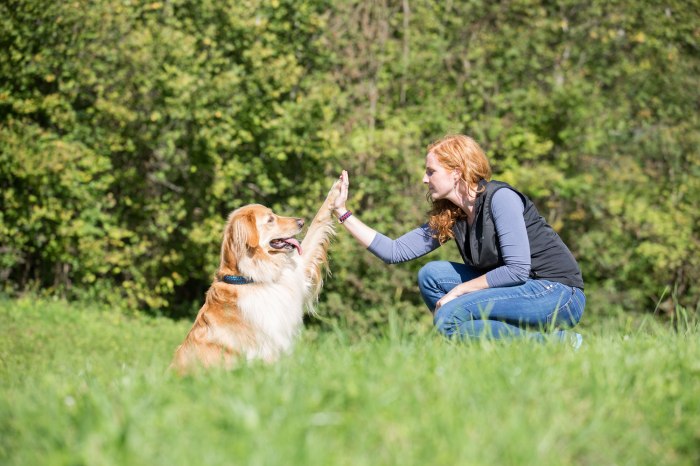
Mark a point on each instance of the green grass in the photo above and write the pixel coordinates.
(86, 386)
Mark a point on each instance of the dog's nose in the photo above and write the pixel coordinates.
(300, 222)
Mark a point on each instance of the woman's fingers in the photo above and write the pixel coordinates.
(444, 300)
(344, 182)
(343, 190)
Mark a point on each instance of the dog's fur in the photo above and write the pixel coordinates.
(259, 320)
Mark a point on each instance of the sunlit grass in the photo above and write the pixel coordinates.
(87, 386)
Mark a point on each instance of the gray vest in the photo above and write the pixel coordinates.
(479, 247)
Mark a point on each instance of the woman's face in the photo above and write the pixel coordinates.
(440, 180)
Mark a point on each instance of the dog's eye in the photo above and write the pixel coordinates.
(271, 220)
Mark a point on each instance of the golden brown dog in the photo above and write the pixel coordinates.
(254, 307)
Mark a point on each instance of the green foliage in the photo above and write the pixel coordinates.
(54, 211)
(129, 130)
(80, 385)
(181, 112)
(590, 109)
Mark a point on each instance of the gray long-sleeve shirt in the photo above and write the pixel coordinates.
(507, 208)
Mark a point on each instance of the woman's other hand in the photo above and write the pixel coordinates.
(476, 284)
(444, 300)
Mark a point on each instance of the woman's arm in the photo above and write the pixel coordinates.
(415, 243)
(508, 209)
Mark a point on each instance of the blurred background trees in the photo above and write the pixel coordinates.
(128, 130)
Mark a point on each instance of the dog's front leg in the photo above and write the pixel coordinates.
(316, 241)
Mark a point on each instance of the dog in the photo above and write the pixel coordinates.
(254, 308)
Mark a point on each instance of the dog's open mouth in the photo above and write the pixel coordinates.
(286, 243)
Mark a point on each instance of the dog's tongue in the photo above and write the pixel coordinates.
(294, 243)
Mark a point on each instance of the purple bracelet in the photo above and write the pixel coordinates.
(345, 216)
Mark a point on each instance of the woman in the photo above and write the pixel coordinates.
(518, 278)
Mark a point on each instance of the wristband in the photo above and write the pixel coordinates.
(345, 216)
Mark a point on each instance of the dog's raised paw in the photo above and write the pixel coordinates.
(333, 193)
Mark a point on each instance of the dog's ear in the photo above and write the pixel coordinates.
(243, 233)
(240, 235)
(229, 245)
(252, 238)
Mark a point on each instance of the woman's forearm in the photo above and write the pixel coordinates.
(476, 284)
(361, 232)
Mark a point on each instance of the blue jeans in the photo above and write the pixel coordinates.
(528, 310)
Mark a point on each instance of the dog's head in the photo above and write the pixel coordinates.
(254, 234)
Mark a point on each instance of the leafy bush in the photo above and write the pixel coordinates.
(129, 130)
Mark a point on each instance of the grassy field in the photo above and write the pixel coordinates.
(89, 386)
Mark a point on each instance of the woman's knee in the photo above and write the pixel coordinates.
(427, 273)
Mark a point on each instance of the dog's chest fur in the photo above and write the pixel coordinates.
(276, 311)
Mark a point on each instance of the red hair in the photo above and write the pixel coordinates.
(462, 154)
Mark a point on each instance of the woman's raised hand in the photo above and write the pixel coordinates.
(361, 232)
(339, 204)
